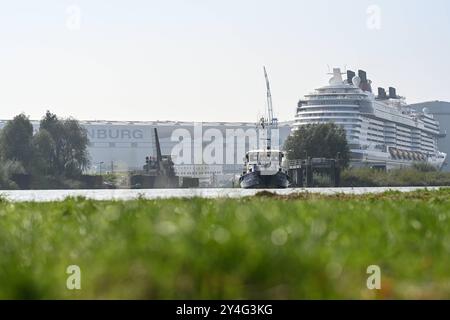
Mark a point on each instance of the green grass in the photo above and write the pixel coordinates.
(267, 247)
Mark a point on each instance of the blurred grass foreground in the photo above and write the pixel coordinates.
(265, 247)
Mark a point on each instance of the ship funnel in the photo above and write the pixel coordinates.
(350, 76)
(363, 75)
(382, 93)
(392, 93)
(365, 84)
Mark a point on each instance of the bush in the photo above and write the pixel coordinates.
(415, 176)
(424, 167)
(7, 170)
(358, 178)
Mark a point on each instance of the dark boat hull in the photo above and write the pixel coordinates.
(253, 180)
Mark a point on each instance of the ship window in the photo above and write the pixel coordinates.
(253, 156)
(264, 156)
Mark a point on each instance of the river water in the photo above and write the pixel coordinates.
(127, 194)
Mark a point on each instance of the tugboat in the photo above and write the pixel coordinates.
(265, 168)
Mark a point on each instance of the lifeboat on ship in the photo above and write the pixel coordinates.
(409, 155)
(393, 153)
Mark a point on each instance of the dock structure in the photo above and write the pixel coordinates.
(303, 171)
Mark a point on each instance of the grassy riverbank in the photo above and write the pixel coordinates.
(310, 246)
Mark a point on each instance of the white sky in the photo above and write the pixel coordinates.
(201, 60)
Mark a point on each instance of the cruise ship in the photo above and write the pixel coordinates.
(382, 130)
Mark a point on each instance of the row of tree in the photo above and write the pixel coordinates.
(57, 149)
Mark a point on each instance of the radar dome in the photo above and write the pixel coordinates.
(356, 81)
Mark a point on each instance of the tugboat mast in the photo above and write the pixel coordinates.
(271, 122)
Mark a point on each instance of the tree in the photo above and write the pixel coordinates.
(43, 151)
(15, 141)
(52, 125)
(318, 141)
(8, 169)
(70, 155)
(75, 156)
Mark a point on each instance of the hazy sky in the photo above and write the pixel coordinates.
(201, 60)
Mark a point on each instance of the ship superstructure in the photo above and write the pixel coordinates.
(382, 130)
